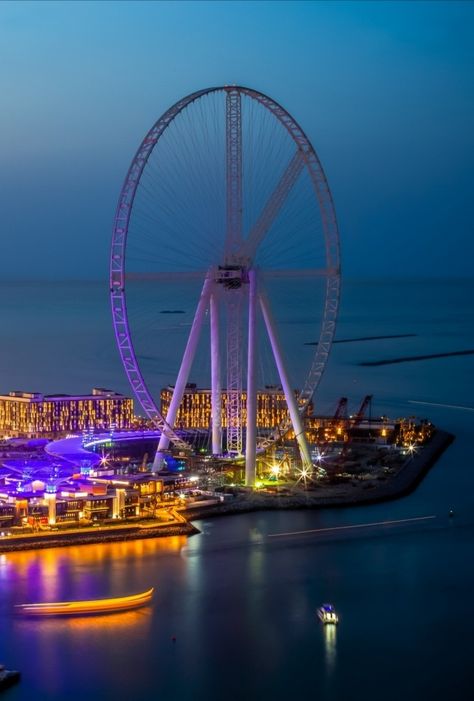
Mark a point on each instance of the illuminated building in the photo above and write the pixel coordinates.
(34, 414)
(195, 409)
(195, 413)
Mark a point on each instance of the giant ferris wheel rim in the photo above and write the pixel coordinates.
(138, 163)
(120, 234)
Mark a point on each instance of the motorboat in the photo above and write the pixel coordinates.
(93, 606)
(327, 614)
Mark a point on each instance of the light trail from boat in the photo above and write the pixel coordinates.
(357, 525)
(445, 406)
(87, 607)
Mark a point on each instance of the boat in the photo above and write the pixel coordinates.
(8, 677)
(93, 606)
(327, 614)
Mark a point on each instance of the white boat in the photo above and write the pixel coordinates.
(327, 614)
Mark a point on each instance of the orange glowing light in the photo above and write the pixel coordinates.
(68, 608)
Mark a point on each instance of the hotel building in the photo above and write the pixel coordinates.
(36, 415)
(195, 409)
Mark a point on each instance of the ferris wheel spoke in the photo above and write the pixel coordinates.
(300, 273)
(273, 206)
(166, 276)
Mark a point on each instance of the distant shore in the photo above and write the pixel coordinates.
(414, 358)
(365, 338)
(355, 493)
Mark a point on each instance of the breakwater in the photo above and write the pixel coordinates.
(365, 338)
(361, 493)
(413, 358)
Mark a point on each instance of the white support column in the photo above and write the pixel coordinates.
(216, 390)
(234, 431)
(251, 439)
(186, 363)
(289, 394)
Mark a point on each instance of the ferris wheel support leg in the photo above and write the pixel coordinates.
(251, 440)
(234, 371)
(216, 393)
(289, 394)
(186, 362)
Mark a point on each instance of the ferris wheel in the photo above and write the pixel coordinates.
(226, 212)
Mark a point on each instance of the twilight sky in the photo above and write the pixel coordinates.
(384, 90)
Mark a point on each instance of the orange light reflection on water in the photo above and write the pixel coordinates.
(51, 574)
(49, 559)
(126, 619)
(89, 624)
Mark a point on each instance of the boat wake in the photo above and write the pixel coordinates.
(445, 406)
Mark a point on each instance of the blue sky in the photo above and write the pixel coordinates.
(384, 90)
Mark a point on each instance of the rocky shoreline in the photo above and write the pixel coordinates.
(404, 482)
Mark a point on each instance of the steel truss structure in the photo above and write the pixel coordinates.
(236, 284)
(233, 246)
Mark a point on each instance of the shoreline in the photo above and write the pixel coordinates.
(333, 496)
(403, 483)
(95, 536)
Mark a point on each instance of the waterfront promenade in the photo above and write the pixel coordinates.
(357, 492)
(176, 525)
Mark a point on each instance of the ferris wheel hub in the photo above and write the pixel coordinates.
(232, 277)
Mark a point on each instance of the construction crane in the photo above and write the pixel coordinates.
(341, 412)
(362, 409)
(355, 421)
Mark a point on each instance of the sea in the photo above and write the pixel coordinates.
(234, 613)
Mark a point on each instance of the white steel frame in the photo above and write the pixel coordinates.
(233, 284)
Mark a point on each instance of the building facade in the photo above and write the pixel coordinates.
(36, 415)
(195, 409)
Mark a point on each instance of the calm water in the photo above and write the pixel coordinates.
(242, 604)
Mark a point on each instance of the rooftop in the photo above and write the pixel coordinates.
(97, 393)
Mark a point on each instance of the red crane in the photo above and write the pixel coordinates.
(355, 421)
(362, 409)
(341, 411)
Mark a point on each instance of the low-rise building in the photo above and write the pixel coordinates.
(34, 414)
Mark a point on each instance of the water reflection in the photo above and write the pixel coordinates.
(87, 554)
(88, 624)
(52, 641)
(329, 632)
(83, 571)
